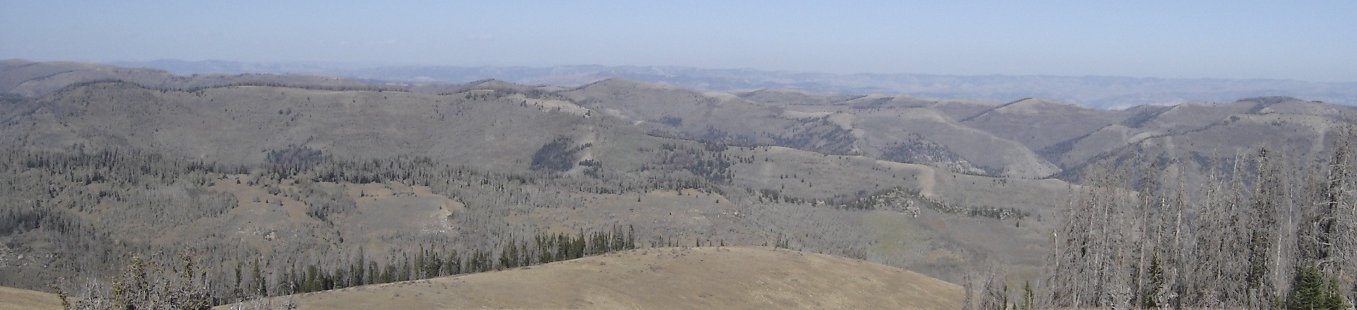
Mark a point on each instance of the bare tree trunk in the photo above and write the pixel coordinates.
(994, 293)
(966, 285)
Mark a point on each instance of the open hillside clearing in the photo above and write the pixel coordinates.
(661, 278)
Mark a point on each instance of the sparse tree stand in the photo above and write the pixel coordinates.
(147, 284)
(1227, 249)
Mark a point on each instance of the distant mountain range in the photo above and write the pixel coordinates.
(1106, 92)
(1026, 138)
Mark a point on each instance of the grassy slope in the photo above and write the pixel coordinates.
(13, 298)
(665, 278)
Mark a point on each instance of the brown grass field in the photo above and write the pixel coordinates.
(661, 278)
(13, 298)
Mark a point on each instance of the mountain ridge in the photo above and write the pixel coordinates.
(1092, 91)
(825, 123)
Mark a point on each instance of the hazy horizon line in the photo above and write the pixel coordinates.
(357, 65)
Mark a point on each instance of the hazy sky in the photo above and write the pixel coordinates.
(1301, 40)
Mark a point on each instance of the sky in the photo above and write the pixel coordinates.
(1295, 40)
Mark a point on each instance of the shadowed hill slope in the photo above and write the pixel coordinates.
(664, 278)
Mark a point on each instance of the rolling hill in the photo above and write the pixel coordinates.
(1030, 138)
(480, 163)
(314, 175)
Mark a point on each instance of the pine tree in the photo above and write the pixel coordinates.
(1311, 290)
(1155, 280)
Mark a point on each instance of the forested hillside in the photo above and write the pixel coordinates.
(136, 187)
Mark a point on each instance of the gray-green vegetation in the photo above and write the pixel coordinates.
(273, 185)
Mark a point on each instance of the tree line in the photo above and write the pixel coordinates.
(182, 283)
(428, 262)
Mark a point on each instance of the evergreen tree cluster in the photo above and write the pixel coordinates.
(712, 166)
(427, 262)
(556, 156)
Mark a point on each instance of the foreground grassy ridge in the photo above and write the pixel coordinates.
(13, 298)
(662, 278)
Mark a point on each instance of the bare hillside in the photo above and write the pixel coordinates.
(663, 278)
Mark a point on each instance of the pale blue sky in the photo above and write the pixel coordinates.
(1300, 40)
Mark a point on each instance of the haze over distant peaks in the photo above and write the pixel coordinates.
(1091, 91)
